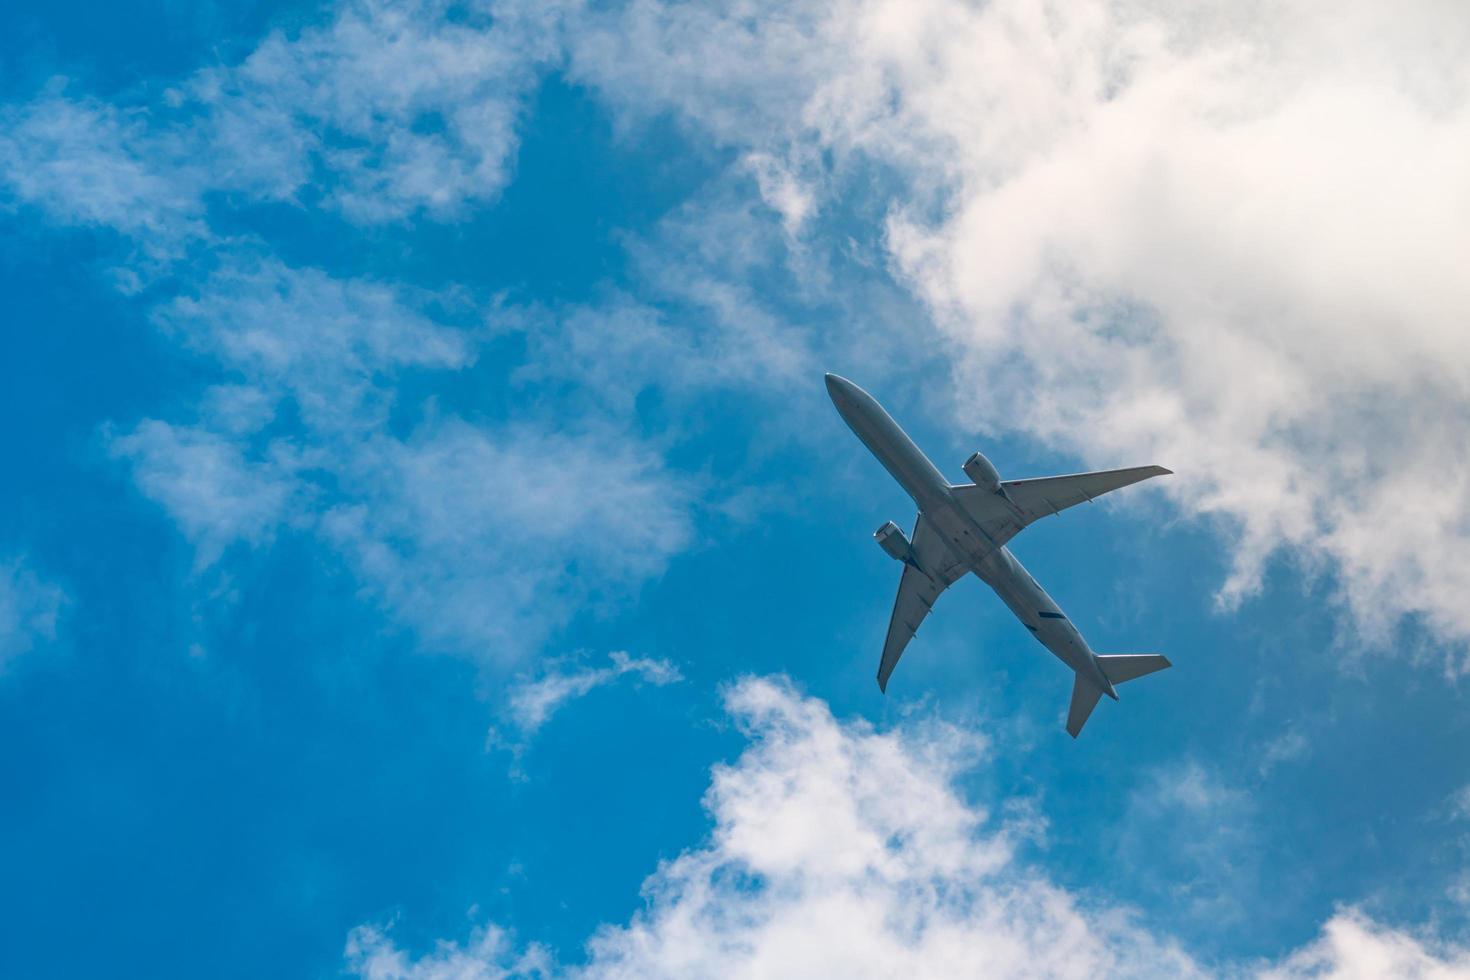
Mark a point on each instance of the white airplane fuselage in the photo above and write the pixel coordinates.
(992, 563)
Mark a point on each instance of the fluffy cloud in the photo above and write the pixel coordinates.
(838, 850)
(1229, 241)
(29, 607)
(1353, 947)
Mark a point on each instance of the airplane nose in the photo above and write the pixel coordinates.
(837, 387)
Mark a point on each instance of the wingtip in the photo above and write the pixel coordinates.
(1164, 471)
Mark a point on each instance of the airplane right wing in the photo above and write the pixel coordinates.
(933, 570)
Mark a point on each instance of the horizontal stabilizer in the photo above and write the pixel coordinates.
(1120, 667)
(1084, 699)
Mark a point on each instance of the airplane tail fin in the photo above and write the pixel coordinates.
(1117, 668)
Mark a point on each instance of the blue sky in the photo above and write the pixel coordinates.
(428, 549)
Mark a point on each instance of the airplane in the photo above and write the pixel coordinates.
(964, 528)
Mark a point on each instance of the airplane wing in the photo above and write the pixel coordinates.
(1048, 495)
(922, 582)
(1031, 500)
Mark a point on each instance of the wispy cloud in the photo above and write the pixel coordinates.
(473, 535)
(470, 533)
(532, 704)
(1289, 746)
(87, 162)
(410, 108)
(382, 112)
(1210, 866)
(1457, 807)
(212, 490)
(490, 955)
(378, 113)
(29, 608)
(480, 541)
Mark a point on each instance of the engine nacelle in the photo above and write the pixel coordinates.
(983, 472)
(890, 538)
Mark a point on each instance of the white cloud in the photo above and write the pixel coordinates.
(210, 488)
(1457, 807)
(490, 955)
(29, 608)
(321, 347)
(838, 850)
(385, 111)
(1228, 239)
(328, 345)
(1353, 947)
(532, 704)
(91, 163)
(1289, 746)
(483, 539)
(486, 540)
(409, 107)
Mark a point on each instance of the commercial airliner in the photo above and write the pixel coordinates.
(964, 528)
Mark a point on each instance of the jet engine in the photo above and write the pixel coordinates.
(892, 540)
(983, 472)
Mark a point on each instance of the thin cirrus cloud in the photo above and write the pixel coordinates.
(30, 606)
(412, 109)
(402, 110)
(86, 162)
(377, 114)
(425, 518)
(840, 850)
(532, 704)
(1230, 242)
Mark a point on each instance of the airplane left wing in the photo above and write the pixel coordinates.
(1047, 495)
(1031, 500)
(933, 570)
